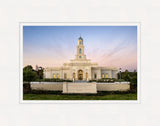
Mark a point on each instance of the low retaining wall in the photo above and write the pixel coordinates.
(58, 86)
(81, 88)
(47, 86)
(117, 86)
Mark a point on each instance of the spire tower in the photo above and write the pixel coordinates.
(80, 50)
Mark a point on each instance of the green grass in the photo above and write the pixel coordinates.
(79, 97)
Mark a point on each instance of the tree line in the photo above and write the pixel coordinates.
(29, 74)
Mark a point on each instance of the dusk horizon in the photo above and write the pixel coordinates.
(109, 46)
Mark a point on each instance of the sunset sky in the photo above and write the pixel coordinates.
(111, 46)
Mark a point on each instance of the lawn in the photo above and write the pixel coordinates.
(79, 97)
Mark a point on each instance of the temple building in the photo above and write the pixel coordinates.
(80, 68)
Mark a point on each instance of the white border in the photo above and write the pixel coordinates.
(21, 24)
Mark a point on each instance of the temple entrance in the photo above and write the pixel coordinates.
(80, 75)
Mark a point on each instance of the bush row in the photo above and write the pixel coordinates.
(107, 80)
(52, 80)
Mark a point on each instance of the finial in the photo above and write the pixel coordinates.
(80, 38)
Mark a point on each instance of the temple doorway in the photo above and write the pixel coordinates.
(80, 75)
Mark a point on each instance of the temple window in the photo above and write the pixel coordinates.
(65, 76)
(102, 75)
(106, 75)
(80, 50)
(53, 75)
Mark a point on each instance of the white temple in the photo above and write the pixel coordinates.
(80, 68)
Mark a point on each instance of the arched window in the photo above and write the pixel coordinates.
(102, 75)
(95, 76)
(57, 76)
(53, 75)
(74, 75)
(80, 57)
(65, 76)
(86, 75)
(80, 50)
(106, 75)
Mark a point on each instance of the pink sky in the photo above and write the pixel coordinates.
(107, 46)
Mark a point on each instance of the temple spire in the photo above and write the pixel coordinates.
(80, 49)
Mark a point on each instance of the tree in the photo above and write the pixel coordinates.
(134, 80)
(40, 74)
(134, 71)
(129, 76)
(29, 74)
(126, 75)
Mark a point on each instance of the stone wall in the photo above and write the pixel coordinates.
(85, 88)
(123, 86)
(47, 86)
(58, 86)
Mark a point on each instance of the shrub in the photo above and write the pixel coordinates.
(120, 80)
(26, 87)
(29, 74)
(52, 80)
(134, 80)
(92, 81)
(104, 80)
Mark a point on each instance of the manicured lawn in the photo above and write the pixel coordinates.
(79, 97)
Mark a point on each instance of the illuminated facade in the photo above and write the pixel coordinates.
(80, 68)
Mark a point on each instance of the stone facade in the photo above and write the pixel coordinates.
(71, 88)
(123, 86)
(80, 68)
(47, 86)
(59, 86)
